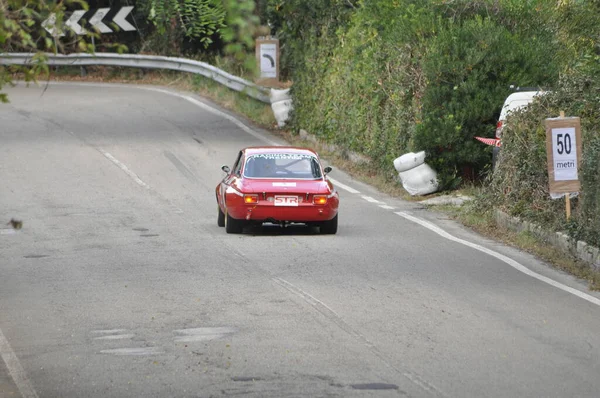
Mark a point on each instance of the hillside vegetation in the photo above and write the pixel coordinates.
(385, 77)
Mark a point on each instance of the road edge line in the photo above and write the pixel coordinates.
(514, 264)
(15, 369)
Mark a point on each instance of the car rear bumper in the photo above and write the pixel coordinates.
(268, 212)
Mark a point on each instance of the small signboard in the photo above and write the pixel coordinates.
(267, 56)
(563, 149)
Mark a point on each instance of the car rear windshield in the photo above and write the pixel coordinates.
(282, 165)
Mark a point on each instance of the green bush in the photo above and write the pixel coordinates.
(387, 77)
(357, 91)
(469, 68)
(519, 184)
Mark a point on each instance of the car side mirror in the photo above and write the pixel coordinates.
(327, 170)
(226, 169)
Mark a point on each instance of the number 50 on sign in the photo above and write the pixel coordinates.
(563, 148)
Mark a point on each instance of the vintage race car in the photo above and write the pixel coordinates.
(279, 185)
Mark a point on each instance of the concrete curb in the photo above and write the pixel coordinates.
(581, 250)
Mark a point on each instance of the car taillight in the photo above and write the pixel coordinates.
(319, 199)
(249, 199)
(499, 129)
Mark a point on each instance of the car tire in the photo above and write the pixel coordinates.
(232, 225)
(220, 217)
(330, 227)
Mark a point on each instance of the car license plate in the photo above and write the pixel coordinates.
(286, 200)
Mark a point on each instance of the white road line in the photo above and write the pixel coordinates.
(115, 337)
(15, 369)
(516, 265)
(134, 351)
(371, 200)
(124, 168)
(214, 111)
(108, 331)
(343, 186)
(202, 334)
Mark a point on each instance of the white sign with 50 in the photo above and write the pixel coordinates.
(564, 144)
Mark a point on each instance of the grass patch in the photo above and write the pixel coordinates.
(254, 110)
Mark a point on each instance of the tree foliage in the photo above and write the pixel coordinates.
(21, 30)
(519, 184)
(177, 25)
(385, 77)
(182, 24)
(301, 23)
(197, 19)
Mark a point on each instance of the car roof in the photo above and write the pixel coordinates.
(518, 100)
(255, 150)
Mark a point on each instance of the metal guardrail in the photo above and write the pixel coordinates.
(147, 62)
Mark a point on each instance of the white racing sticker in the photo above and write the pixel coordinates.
(284, 184)
(291, 156)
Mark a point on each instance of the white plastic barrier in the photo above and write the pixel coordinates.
(408, 161)
(417, 177)
(281, 104)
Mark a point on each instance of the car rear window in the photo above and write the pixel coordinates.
(282, 165)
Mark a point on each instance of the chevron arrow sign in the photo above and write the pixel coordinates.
(97, 21)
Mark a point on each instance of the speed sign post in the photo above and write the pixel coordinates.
(563, 150)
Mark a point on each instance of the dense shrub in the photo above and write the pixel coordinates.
(519, 184)
(409, 75)
(469, 68)
(352, 89)
(300, 24)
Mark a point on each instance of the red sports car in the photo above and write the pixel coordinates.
(279, 185)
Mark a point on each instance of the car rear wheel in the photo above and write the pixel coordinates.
(330, 227)
(232, 225)
(221, 217)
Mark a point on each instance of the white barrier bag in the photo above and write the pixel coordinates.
(409, 161)
(417, 177)
(420, 180)
(281, 104)
(281, 111)
(279, 95)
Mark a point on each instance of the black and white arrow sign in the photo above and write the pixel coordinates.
(96, 21)
(50, 25)
(72, 22)
(119, 19)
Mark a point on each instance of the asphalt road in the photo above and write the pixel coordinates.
(121, 284)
